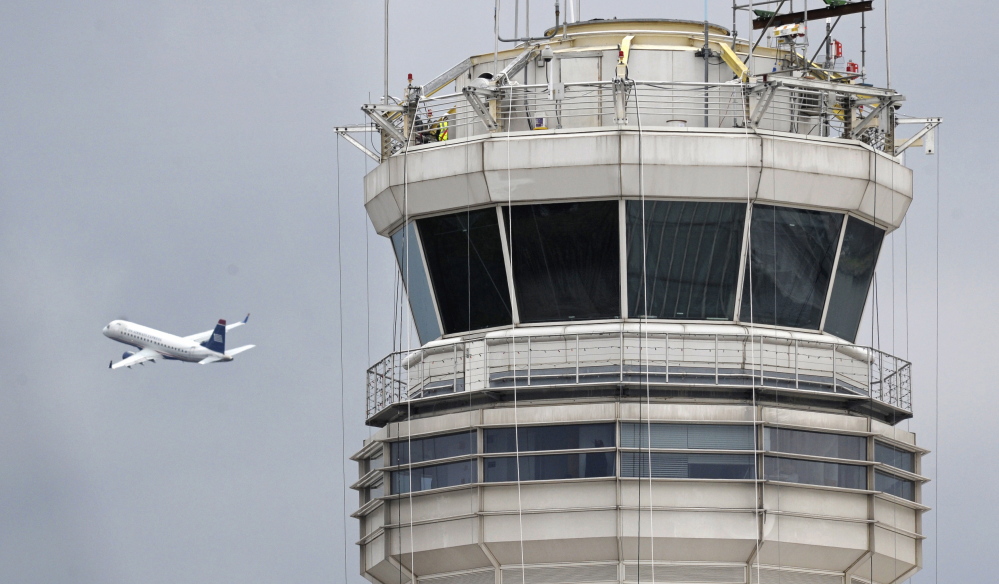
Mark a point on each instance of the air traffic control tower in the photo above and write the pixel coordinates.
(637, 261)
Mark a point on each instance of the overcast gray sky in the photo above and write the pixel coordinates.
(174, 163)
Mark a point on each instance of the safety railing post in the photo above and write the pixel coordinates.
(621, 362)
(529, 355)
(423, 373)
(834, 367)
(454, 376)
(796, 384)
(761, 361)
(716, 359)
(667, 358)
(577, 359)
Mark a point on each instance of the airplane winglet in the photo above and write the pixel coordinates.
(109, 363)
(247, 318)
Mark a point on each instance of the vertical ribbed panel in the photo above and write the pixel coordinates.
(769, 575)
(566, 574)
(487, 576)
(686, 573)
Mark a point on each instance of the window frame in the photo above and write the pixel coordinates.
(759, 454)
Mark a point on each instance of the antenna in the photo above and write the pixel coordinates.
(385, 96)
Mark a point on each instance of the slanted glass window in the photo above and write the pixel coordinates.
(565, 260)
(549, 467)
(691, 259)
(669, 465)
(433, 448)
(688, 436)
(534, 438)
(417, 287)
(791, 259)
(857, 260)
(894, 485)
(465, 259)
(813, 472)
(815, 443)
(433, 477)
(896, 457)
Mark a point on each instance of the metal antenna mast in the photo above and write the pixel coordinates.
(385, 96)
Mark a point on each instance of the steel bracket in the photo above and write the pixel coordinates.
(769, 90)
(375, 113)
(345, 131)
(870, 118)
(480, 108)
(928, 125)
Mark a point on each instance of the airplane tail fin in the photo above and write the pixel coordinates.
(216, 342)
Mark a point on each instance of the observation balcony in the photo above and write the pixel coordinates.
(809, 107)
(583, 359)
(637, 74)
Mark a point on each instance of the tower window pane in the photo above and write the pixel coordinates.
(688, 436)
(691, 259)
(671, 465)
(563, 437)
(549, 467)
(815, 443)
(565, 260)
(415, 279)
(790, 265)
(894, 485)
(433, 477)
(813, 472)
(433, 448)
(857, 260)
(466, 265)
(896, 457)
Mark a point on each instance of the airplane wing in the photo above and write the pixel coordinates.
(204, 336)
(136, 359)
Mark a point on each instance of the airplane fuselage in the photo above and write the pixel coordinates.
(165, 344)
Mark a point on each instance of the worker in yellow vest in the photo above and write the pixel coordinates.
(441, 127)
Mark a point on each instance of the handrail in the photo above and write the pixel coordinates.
(713, 360)
(808, 107)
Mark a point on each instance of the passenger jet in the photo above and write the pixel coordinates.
(202, 348)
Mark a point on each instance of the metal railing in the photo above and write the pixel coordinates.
(632, 358)
(787, 105)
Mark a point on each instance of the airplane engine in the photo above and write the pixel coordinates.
(127, 354)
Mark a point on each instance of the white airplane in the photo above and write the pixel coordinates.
(202, 348)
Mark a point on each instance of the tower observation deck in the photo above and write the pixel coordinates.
(637, 292)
